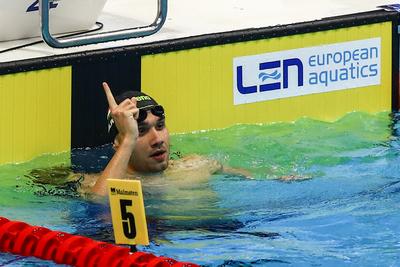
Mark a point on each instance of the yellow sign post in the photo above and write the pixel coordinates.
(127, 212)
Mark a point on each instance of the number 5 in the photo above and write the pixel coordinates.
(128, 219)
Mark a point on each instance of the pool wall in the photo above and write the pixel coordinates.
(35, 113)
(197, 85)
(56, 103)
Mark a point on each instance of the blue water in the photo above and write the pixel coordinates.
(343, 210)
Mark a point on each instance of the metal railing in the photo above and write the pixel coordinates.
(100, 37)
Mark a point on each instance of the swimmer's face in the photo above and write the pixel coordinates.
(151, 153)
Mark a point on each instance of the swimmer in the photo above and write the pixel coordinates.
(141, 145)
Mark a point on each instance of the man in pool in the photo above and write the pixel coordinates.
(141, 143)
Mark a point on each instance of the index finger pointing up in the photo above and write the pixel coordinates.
(110, 98)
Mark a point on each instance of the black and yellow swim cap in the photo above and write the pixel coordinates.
(143, 102)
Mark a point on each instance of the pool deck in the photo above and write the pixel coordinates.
(188, 18)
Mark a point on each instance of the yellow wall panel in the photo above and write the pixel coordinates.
(196, 85)
(35, 114)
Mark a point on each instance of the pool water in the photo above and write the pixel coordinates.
(341, 208)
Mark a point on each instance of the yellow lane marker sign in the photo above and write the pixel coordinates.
(127, 212)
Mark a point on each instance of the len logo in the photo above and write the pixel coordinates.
(286, 63)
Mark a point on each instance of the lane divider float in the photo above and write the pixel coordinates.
(23, 239)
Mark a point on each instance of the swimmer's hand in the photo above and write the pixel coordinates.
(124, 114)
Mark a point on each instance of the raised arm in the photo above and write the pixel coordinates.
(124, 116)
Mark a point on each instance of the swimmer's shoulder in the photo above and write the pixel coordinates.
(194, 162)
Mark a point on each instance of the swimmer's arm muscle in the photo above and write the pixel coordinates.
(124, 116)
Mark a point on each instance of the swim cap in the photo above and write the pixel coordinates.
(143, 102)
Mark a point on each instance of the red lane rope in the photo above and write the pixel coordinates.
(23, 239)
